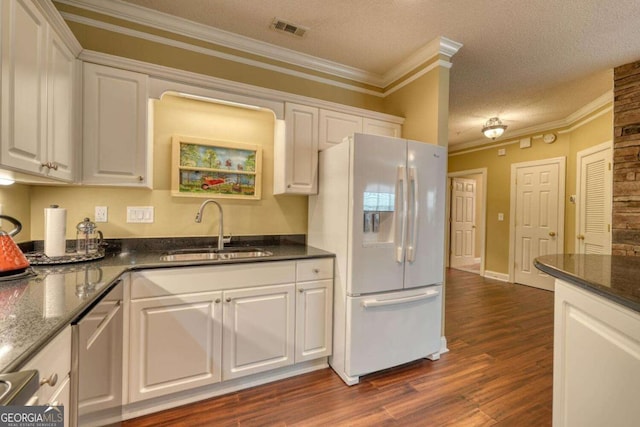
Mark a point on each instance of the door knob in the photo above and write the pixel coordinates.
(552, 233)
(580, 237)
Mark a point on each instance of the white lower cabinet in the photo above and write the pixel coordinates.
(227, 322)
(314, 303)
(175, 344)
(258, 330)
(596, 360)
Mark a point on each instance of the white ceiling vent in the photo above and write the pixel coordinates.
(288, 27)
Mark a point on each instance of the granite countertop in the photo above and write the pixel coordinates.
(34, 309)
(614, 277)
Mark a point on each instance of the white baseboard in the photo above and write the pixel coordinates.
(477, 260)
(443, 345)
(503, 277)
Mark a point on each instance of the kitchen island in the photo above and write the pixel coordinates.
(596, 368)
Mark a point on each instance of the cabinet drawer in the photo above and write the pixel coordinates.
(173, 281)
(314, 269)
(53, 363)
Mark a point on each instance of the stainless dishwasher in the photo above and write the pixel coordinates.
(96, 369)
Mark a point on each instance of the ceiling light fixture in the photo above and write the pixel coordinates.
(493, 128)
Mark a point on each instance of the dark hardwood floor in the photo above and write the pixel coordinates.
(498, 371)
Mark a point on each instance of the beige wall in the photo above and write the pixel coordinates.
(174, 216)
(569, 142)
(16, 200)
(424, 103)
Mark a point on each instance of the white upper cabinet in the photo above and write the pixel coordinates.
(309, 130)
(115, 146)
(39, 77)
(335, 126)
(381, 128)
(298, 153)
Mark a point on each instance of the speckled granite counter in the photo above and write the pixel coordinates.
(616, 278)
(34, 309)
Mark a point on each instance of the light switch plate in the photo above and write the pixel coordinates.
(101, 214)
(502, 152)
(140, 214)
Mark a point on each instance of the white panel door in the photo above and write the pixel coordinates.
(538, 218)
(377, 170)
(334, 127)
(24, 86)
(115, 126)
(301, 149)
(463, 228)
(174, 344)
(314, 315)
(381, 128)
(595, 180)
(259, 330)
(426, 188)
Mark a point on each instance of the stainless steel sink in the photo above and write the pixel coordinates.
(210, 254)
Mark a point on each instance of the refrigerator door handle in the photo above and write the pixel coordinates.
(413, 221)
(431, 293)
(401, 203)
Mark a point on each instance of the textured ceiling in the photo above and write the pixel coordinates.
(529, 62)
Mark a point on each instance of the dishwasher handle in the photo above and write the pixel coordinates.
(431, 293)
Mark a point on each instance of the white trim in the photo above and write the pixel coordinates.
(561, 162)
(483, 215)
(572, 120)
(443, 345)
(430, 67)
(180, 26)
(497, 276)
(217, 54)
(163, 79)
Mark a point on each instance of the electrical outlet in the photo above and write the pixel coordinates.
(101, 214)
(500, 216)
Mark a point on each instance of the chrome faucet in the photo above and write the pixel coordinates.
(199, 219)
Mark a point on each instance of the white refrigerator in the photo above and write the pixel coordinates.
(380, 208)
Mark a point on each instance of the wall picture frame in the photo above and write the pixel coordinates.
(215, 169)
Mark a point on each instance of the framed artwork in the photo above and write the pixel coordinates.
(215, 169)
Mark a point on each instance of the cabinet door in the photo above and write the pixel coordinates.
(334, 127)
(24, 86)
(115, 127)
(258, 330)
(313, 320)
(61, 81)
(596, 360)
(378, 127)
(301, 149)
(174, 344)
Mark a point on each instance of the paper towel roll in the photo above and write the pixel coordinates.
(55, 231)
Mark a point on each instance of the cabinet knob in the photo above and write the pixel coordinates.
(228, 299)
(54, 166)
(45, 165)
(52, 380)
(301, 290)
(316, 270)
(140, 178)
(217, 301)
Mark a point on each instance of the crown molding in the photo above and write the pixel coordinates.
(572, 121)
(437, 46)
(140, 15)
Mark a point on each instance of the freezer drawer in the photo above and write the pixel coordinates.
(390, 329)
